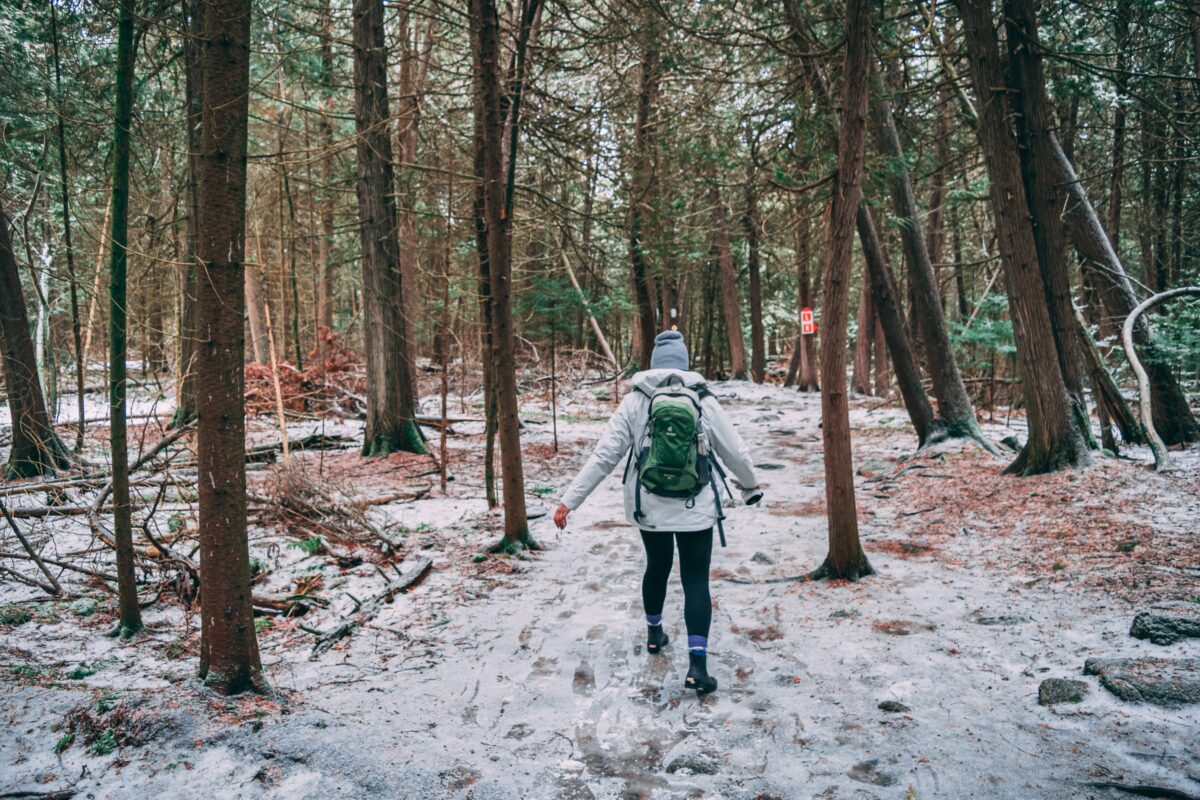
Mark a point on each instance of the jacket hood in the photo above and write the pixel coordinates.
(648, 380)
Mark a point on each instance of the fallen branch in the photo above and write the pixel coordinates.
(53, 588)
(366, 610)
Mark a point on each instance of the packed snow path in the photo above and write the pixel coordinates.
(919, 682)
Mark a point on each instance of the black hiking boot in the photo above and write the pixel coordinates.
(656, 638)
(698, 677)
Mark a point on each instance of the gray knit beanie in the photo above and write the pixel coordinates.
(669, 351)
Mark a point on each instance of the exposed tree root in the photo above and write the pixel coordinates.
(859, 568)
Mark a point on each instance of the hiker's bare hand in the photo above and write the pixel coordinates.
(560, 516)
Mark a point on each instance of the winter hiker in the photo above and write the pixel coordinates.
(670, 430)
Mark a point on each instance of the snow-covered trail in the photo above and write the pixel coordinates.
(543, 689)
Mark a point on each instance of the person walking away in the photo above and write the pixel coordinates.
(668, 430)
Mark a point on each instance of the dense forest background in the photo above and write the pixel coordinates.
(735, 166)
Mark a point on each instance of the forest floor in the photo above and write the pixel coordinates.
(527, 677)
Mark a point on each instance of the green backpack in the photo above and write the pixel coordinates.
(673, 455)
(670, 463)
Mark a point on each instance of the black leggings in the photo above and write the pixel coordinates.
(695, 553)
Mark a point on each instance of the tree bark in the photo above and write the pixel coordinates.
(1034, 126)
(846, 558)
(891, 318)
(883, 284)
(485, 37)
(808, 344)
(65, 187)
(36, 449)
(1173, 418)
(129, 619)
(194, 13)
(864, 340)
(485, 307)
(729, 293)
(641, 201)
(255, 298)
(957, 416)
(391, 401)
(325, 126)
(229, 659)
(750, 224)
(1054, 438)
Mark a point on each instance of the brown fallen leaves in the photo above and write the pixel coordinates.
(1095, 527)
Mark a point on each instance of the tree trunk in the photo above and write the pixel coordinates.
(391, 401)
(485, 36)
(954, 406)
(1054, 437)
(65, 188)
(750, 223)
(860, 374)
(255, 298)
(229, 659)
(485, 308)
(36, 449)
(1121, 35)
(1034, 126)
(1173, 418)
(808, 344)
(729, 294)
(194, 13)
(885, 298)
(883, 373)
(883, 284)
(846, 558)
(641, 201)
(412, 80)
(328, 178)
(130, 616)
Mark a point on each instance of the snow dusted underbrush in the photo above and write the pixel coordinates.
(527, 677)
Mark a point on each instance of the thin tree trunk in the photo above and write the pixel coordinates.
(391, 401)
(97, 275)
(808, 343)
(1054, 438)
(497, 216)
(860, 375)
(186, 389)
(35, 449)
(325, 125)
(846, 558)
(750, 223)
(641, 203)
(883, 373)
(129, 619)
(485, 309)
(891, 318)
(1121, 35)
(1110, 403)
(64, 185)
(229, 658)
(730, 303)
(255, 299)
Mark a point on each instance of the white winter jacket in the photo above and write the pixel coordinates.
(625, 430)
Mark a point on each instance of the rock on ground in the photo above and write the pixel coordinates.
(1168, 623)
(1160, 681)
(1053, 691)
